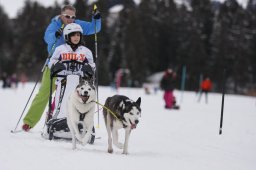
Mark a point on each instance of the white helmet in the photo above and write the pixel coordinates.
(70, 28)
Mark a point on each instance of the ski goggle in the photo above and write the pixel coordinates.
(69, 16)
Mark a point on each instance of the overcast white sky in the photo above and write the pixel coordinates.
(11, 7)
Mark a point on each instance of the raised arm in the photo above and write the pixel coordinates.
(89, 27)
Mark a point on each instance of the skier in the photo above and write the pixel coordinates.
(53, 37)
(206, 86)
(6, 80)
(167, 84)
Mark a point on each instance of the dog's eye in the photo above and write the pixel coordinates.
(82, 88)
(138, 113)
(89, 89)
(131, 113)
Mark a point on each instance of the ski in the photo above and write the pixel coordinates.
(16, 131)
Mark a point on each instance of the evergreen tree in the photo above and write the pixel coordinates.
(118, 54)
(82, 11)
(231, 47)
(6, 43)
(251, 14)
(199, 33)
(167, 15)
(104, 37)
(30, 48)
(191, 50)
(149, 36)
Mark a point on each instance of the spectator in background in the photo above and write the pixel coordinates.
(168, 84)
(14, 81)
(205, 87)
(23, 79)
(5, 80)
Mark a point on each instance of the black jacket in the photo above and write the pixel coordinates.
(168, 82)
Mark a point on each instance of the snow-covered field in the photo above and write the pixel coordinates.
(187, 139)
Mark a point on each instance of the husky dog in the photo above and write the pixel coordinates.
(81, 107)
(120, 112)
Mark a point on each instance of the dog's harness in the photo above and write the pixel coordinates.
(82, 116)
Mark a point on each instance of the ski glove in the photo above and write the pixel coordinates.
(87, 70)
(58, 33)
(96, 14)
(56, 68)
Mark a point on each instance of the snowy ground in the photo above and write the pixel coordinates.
(187, 139)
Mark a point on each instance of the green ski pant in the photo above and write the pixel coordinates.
(40, 101)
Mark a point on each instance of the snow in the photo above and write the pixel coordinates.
(116, 9)
(164, 139)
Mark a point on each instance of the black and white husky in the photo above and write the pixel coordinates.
(120, 112)
(81, 107)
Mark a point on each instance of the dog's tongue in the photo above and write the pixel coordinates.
(84, 98)
(133, 126)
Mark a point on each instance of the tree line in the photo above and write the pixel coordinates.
(204, 36)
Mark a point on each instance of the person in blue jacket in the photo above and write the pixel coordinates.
(53, 37)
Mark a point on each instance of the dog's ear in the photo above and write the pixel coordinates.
(122, 105)
(81, 80)
(91, 82)
(138, 101)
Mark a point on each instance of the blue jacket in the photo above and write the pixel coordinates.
(49, 36)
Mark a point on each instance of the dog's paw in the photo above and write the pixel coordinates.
(119, 145)
(85, 140)
(125, 152)
(84, 143)
(110, 150)
(73, 143)
(79, 138)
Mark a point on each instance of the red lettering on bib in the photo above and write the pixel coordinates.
(72, 56)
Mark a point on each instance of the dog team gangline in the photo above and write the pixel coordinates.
(114, 114)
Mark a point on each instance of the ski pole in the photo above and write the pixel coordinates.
(222, 103)
(45, 64)
(183, 81)
(96, 57)
(51, 51)
(14, 131)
